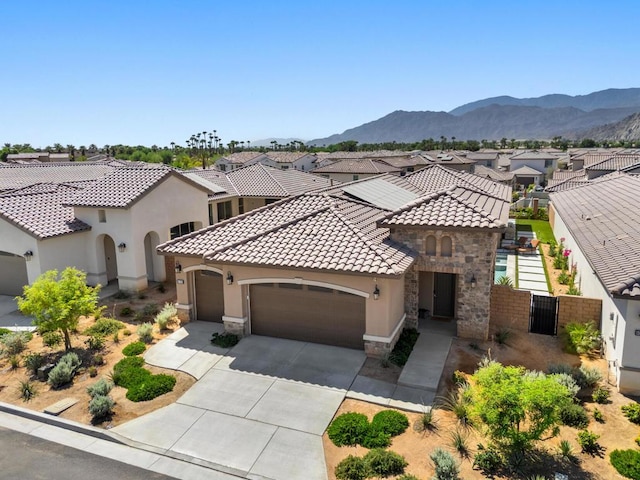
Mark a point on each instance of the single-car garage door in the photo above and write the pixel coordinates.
(209, 296)
(13, 274)
(308, 313)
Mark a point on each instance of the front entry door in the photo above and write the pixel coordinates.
(444, 295)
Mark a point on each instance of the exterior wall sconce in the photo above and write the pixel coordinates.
(473, 281)
(229, 278)
(178, 267)
(28, 255)
(122, 247)
(376, 293)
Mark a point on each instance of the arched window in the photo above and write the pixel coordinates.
(445, 246)
(430, 246)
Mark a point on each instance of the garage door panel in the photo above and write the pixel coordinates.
(306, 313)
(13, 274)
(209, 296)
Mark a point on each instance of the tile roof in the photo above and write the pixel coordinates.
(526, 170)
(13, 176)
(371, 154)
(616, 162)
(496, 175)
(287, 157)
(446, 158)
(534, 155)
(38, 209)
(606, 225)
(565, 174)
(242, 157)
(122, 187)
(363, 166)
(311, 231)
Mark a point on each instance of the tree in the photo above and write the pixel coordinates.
(57, 301)
(517, 407)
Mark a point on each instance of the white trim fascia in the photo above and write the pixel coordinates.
(389, 339)
(201, 267)
(238, 320)
(301, 281)
(184, 306)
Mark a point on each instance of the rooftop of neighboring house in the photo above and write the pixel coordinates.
(526, 170)
(358, 166)
(13, 176)
(369, 154)
(615, 162)
(240, 158)
(287, 157)
(446, 158)
(493, 174)
(483, 156)
(601, 217)
(534, 155)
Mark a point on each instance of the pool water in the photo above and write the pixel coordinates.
(501, 267)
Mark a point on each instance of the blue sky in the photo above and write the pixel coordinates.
(141, 72)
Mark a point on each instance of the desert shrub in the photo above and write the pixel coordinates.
(225, 340)
(98, 359)
(15, 342)
(33, 362)
(407, 476)
(122, 294)
(151, 309)
(348, 429)
(582, 338)
(166, 317)
(505, 280)
(564, 278)
(560, 368)
(152, 387)
(601, 395)
(458, 402)
(100, 406)
(101, 387)
(4, 331)
(352, 468)
(574, 415)
(632, 412)
(574, 290)
(135, 348)
(565, 450)
(426, 421)
(567, 381)
(626, 462)
(27, 390)
(487, 460)
(14, 362)
(404, 346)
(446, 467)
(598, 416)
(93, 371)
(459, 442)
(588, 441)
(145, 332)
(116, 337)
(376, 439)
(588, 376)
(384, 463)
(52, 339)
(502, 336)
(95, 342)
(126, 333)
(104, 326)
(64, 370)
(390, 422)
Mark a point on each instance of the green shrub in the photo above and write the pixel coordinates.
(128, 370)
(27, 390)
(95, 342)
(167, 315)
(352, 468)
(15, 342)
(60, 375)
(632, 412)
(565, 450)
(33, 362)
(391, 422)
(487, 460)
(598, 416)
(135, 348)
(116, 337)
(567, 381)
(100, 406)
(502, 336)
(101, 387)
(408, 476)
(126, 311)
(376, 439)
(588, 441)
(446, 467)
(384, 463)
(4, 331)
(126, 333)
(426, 421)
(145, 332)
(104, 326)
(93, 371)
(225, 340)
(574, 415)
(582, 338)
(626, 462)
(587, 377)
(564, 278)
(153, 386)
(150, 310)
(574, 290)
(348, 429)
(404, 346)
(52, 339)
(601, 395)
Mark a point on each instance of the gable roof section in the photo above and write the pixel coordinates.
(15, 176)
(616, 162)
(39, 210)
(495, 175)
(606, 225)
(526, 170)
(360, 165)
(312, 231)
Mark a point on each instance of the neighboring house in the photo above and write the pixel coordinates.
(508, 178)
(103, 218)
(353, 264)
(355, 169)
(487, 159)
(536, 160)
(448, 159)
(525, 176)
(251, 187)
(302, 161)
(601, 227)
(237, 160)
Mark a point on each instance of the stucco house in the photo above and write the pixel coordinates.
(600, 223)
(354, 169)
(302, 161)
(105, 218)
(350, 265)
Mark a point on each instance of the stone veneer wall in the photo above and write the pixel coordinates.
(382, 349)
(473, 255)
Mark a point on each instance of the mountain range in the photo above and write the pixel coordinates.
(500, 117)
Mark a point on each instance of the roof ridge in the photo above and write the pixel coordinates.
(274, 179)
(474, 207)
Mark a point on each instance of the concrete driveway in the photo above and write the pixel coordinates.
(10, 317)
(258, 410)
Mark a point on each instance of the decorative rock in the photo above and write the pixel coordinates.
(60, 406)
(43, 371)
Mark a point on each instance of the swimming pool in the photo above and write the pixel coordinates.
(501, 267)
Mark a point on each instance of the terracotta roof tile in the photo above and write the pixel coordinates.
(13, 176)
(363, 166)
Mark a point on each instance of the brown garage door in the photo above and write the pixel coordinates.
(209, 296)
(308, 313)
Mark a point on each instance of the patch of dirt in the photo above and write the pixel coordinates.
(535, 352)
(124, 409)
(376, 369)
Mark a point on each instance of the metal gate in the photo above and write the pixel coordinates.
(544, 315)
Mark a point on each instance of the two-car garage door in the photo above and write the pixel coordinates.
(308, 313)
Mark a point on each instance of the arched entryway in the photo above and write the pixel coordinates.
(110, 260)
(153, 262)
(13, 274)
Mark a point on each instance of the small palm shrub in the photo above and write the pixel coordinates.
(51, 339)
(104, 326)
(64, 370)
(582, 338)
(601, 395)
(135, 348)
(574, 415)
(446, 467)
(565, 450)
(459, 442)
(33, 362)
(574, 290)
(426, 421)
(100, 406)
(352, 468)
(348, 429)
(504, 280)
(457, 401)
(27, 390)
(632, 412)
(384, 463)
(391, 422)
(145, 332)
(626, 462)
(101, 387)
(588, 441)
(167, 315)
